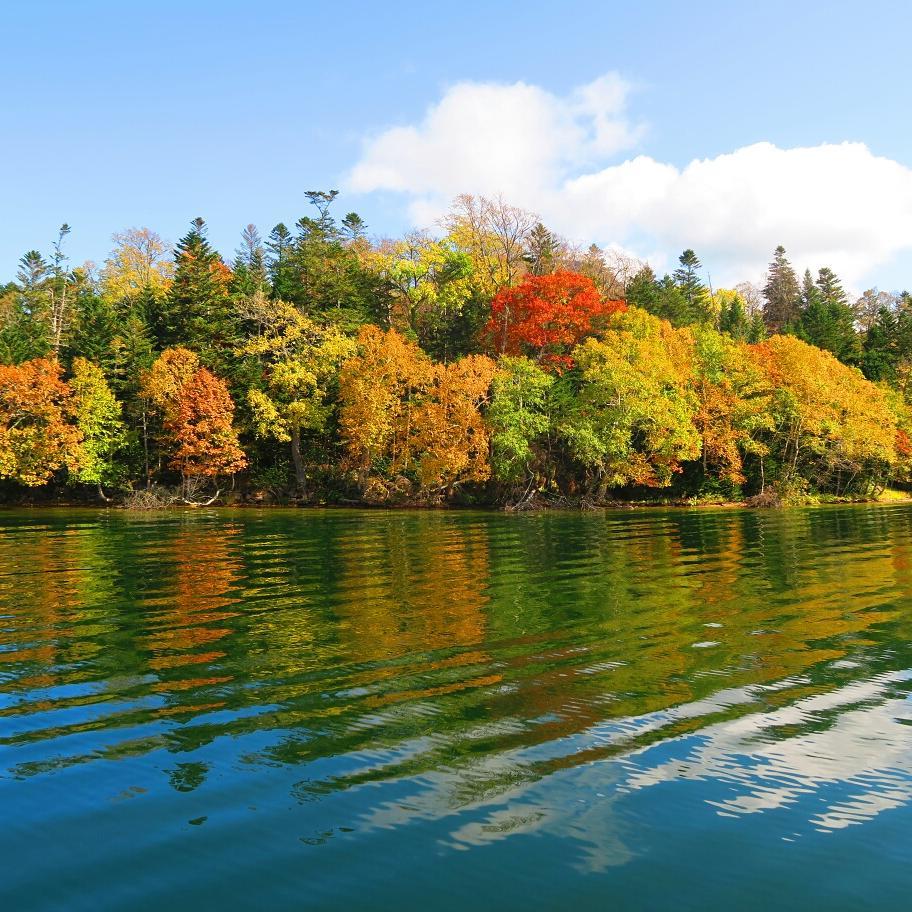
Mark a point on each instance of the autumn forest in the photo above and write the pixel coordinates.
(487, 361)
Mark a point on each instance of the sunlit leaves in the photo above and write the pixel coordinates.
(831, 425)
(37, 433)
(405, 419)
(545, 316)
(518, 416)
(631, 420)
(98, 419)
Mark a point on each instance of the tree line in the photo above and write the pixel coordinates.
(489, 361)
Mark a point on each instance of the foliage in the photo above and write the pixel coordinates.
(632, 418)
(200, 426)
(518, 415)
(830, 424)
(403, 415)
(140, 262)
(98, 418)
(38, 435)
(733, 404)
(300, 361)
(489, 360)
(545, 316)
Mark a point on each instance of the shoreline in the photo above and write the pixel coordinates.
(891, 498)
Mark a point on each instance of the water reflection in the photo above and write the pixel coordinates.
(474, 678)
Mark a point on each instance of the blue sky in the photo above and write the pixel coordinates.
(123, 115)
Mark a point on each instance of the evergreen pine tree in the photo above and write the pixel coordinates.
(881, 351)
(828, 321)
(278, 262)
(541, 251)
(782, 293)
(198, 312)
(693, 291)
(733, 319)
(249, 272)
(95, 324)
(810, 293)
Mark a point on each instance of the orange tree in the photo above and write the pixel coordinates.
(206, 444)
(37, 415)
(410, 425)
(196, 412)
(733, 395)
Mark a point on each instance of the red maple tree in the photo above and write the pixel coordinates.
(544, 317)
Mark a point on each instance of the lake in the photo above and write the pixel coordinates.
(308, 709)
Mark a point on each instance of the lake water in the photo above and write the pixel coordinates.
(375, 710)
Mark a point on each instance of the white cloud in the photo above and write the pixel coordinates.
(833, 204)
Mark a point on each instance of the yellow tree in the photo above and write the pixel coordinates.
(631, 420)
(379, 389)
(140, 262)
(98, 417)
(300, 361)
(733, 395)
(450, 440)
(832, 426)
(495, 235)
(429, 280)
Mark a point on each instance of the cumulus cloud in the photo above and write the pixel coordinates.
(833, 204)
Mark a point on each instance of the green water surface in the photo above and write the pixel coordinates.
(296, 710)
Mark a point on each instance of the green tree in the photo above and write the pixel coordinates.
(320, 271)
(662, 298)
(693, 291)
(198, 312)
(882, 354)
(631, 420)
(519, 418)
(782, 293)
(733, 319)
(98, 418)
(249, 271)
(827, 320)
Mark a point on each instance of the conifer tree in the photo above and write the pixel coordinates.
(827, 321)
(733, 319)
(782, 293)
(541, 250)
(693, 291)
(278, 262)
(197, 312)
(249, 272)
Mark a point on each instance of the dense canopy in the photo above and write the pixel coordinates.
(489, 361)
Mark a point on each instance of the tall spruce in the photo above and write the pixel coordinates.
(827, 320)
(198, 311)
(250, 265)
(782, 293)
(693, 291)
(541, 250)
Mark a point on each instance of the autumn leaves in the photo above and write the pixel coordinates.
(585, 396)
(479, 380)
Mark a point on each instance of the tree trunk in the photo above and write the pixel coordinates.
(145, 427)
(298, 460)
